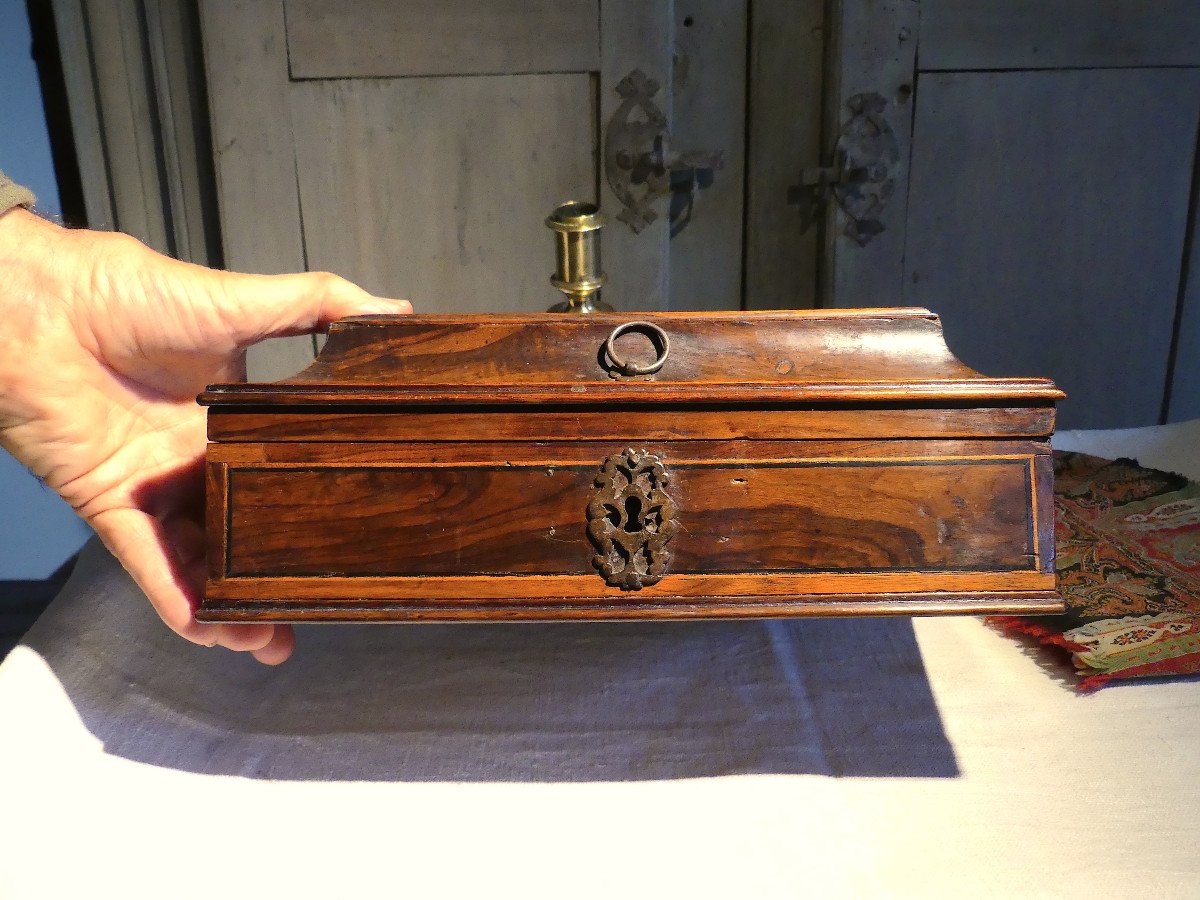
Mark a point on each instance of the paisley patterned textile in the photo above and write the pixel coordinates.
(1128, 560)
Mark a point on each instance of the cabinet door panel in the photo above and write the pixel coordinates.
(435, 188)
(399, 38)
(1046, 221)
(1076, 34)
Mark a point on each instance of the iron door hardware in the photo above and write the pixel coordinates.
(864, 177)
(640, 164)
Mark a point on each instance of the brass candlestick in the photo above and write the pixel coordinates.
(576, 226)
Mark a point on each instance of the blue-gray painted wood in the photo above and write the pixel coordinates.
(1046, 225)
(1058, 34)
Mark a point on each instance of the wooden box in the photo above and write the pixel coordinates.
(621, 466)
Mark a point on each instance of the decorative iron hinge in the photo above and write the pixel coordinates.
(639, 162)
(864, 178)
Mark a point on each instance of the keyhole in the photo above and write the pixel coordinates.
(633, 514)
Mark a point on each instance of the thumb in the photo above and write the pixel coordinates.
(263, 306)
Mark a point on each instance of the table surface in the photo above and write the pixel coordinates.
(839, 758)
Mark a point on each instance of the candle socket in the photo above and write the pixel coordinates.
(576, 226)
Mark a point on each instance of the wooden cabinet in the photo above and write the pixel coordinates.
(1038, 189)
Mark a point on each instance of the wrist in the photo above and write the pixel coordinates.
(29, 249)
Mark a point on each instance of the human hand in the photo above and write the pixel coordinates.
(104, 345)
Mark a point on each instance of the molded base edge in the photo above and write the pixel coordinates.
(562, 610)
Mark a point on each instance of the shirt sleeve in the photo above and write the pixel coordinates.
(13, 194)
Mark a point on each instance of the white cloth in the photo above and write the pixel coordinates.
(832, 758)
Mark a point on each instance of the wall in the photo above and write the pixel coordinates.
(37, 530)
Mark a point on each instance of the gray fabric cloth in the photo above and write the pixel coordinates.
(490, 702)
(13, 194)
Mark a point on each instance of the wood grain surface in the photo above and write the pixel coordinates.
(625, 422)
(549, 609)
(891, 355)
(524, 518)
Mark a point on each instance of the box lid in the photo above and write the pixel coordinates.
(848, 356)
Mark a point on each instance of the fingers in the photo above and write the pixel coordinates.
(279, 648)
(137, 540)
(173, 581)
(245, 638)
(262, 306)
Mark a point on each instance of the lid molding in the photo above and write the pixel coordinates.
(808, 356)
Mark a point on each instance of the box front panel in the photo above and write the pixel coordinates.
(732, 516)
(697, 526)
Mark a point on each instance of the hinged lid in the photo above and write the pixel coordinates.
(810, 356)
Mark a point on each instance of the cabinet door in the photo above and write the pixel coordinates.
(1041, 193)
(416, 146)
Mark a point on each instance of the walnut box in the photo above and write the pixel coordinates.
(651, 465)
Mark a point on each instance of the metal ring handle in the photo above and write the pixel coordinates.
(657, 336)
